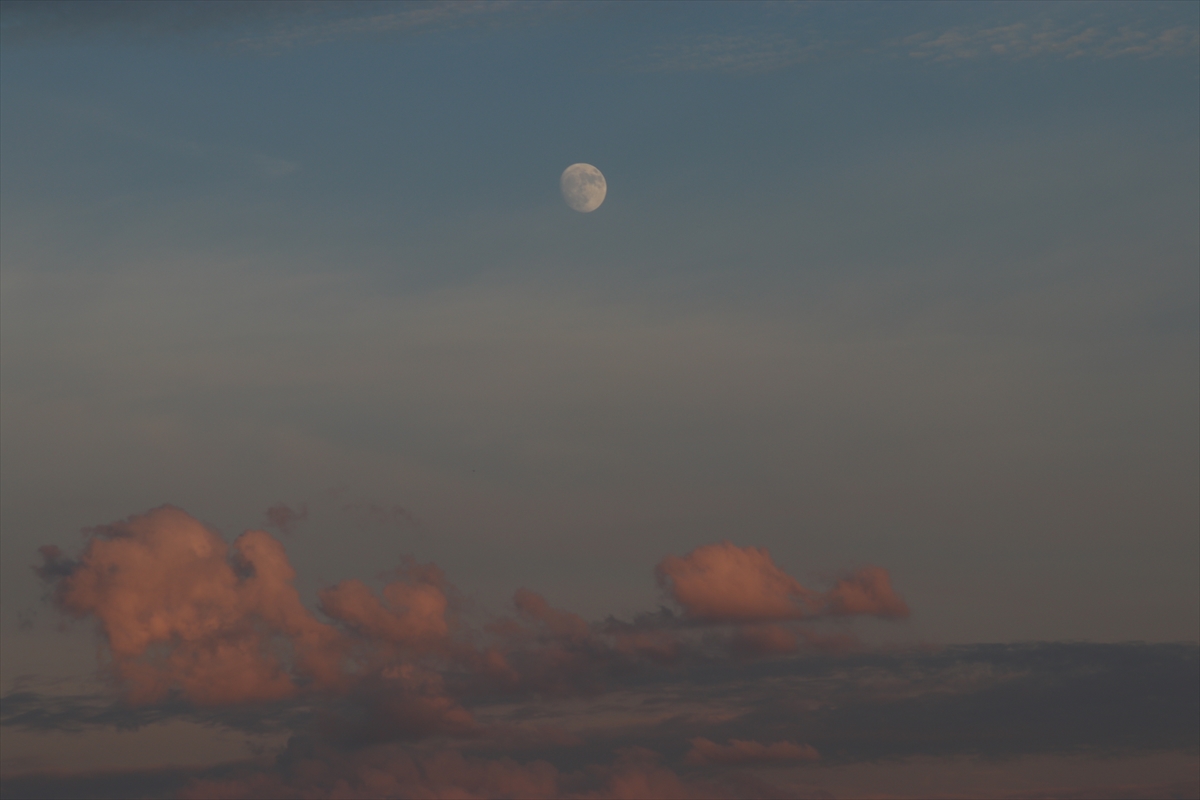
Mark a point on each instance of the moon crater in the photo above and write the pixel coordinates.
(583, 187)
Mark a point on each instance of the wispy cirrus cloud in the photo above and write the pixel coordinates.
(1022, 40)
(267, 26)
(737, 52)
(339, 23)
(755, 50)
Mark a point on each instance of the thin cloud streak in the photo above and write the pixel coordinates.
(1022, 40)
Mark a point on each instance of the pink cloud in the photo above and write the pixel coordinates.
(413, 614)
(760, 640)
(184, 612)
(867, 591)
(726, 583)
(561, 624)
(164, 579)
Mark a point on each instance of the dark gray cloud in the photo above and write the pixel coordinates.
(34, 711)
(995, 701)
(118, 785)
(987, 700)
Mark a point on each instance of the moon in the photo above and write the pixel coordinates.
(583, 187)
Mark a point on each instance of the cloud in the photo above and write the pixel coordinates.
(867, 591)
(726, 583)
(397, 692)
(184, 614)
(992, 701)
(266, 25)
(189, 618)
(164, 580)
(560, 624)
(758, 640)
(284, 518)
(412, 613)
(333, 22)
(743, 53)
(740, 751)
(1048, 38)
(756, 49)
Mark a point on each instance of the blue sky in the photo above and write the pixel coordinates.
(908, 285)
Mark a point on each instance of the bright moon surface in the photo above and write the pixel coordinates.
(583, 187)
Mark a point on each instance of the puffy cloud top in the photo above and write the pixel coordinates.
(726, 583)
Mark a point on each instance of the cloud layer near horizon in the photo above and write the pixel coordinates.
(401, 692)
(184, 614)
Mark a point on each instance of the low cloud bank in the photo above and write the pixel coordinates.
(185, 615)
(726, 583)
(395, 692)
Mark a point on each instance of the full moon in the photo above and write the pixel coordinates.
(583, 187)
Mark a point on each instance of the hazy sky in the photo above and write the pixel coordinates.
(901, 286)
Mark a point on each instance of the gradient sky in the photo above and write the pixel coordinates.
(909, 286)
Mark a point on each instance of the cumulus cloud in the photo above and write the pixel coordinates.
(412, 613)
(194, 626)
(562, 624)
(183, 611)
(726, 583)
(867, 591)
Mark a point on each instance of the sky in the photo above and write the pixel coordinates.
(849, 448)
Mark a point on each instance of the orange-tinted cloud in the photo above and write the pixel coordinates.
(164, 580)
(561, 624)
(867, 591)
(762, 640)
(738, 751)
(184, 612)
(726, 583)
(415, 610)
